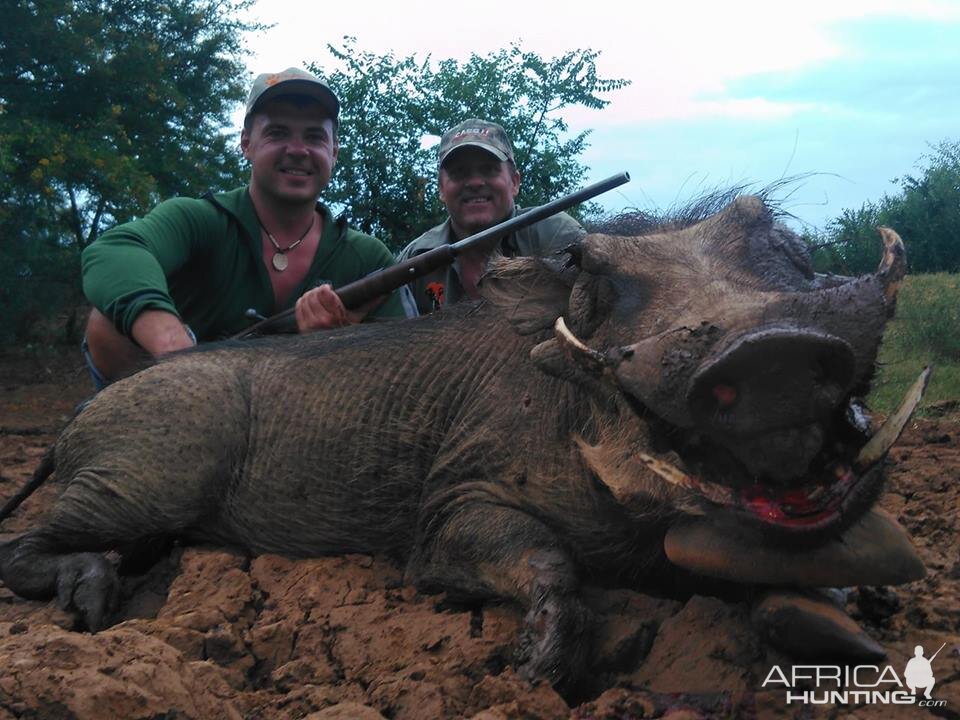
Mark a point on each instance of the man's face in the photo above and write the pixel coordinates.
(477, 189)
(292, 150)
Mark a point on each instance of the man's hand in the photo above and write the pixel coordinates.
(321, 308)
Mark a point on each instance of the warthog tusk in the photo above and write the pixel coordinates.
(893, 266)
(675, 476)
(590, 359)
(571, 340)
(878, 446)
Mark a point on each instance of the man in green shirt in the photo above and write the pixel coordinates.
(192, 268)
(478, 184)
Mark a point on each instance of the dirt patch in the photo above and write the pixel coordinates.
(211, 634)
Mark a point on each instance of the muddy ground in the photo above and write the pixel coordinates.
(207, 633)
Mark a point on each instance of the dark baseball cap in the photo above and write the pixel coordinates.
(292, 81)
(482, 134)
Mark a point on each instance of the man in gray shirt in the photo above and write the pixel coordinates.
(478, 184)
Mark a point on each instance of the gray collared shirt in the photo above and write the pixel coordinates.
(546, 238)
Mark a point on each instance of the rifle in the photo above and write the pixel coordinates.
(386, 280)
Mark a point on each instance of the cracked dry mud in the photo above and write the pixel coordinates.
(207, 633)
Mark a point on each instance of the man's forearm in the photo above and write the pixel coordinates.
(115, 355)
(159, 332)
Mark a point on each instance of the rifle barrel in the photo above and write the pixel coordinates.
(386, 280)
(536, 214)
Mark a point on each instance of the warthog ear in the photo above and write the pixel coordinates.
(531, 292)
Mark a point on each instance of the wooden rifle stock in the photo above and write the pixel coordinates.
(389, 279)
(382, 282)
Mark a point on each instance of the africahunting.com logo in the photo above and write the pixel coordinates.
(860, 684)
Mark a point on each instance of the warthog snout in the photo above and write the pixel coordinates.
(769, 379)
(768, 395)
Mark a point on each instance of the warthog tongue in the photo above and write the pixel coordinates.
(874, 551)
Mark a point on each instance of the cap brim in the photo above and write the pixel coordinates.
(496, 152)
(307, 88)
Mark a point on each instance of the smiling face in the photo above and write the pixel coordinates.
(477, 190)
(293, 149)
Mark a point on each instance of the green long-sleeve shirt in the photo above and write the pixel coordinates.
(202, 260)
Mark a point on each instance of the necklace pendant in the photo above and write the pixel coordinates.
(279, 261)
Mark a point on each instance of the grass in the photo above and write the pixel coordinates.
(925, 331)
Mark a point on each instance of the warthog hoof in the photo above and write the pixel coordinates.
(88, 585)
(553, 642)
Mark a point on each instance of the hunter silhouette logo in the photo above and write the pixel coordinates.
(919, 671)
(859, 684)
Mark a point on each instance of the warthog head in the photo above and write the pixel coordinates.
(743, 368)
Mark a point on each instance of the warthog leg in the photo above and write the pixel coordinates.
(35, 566)
(553, 644)
(103, 507)
(489, 552)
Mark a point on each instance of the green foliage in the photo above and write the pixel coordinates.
(38, 277)
(926, 331)
(929, 316)
(850, 245)
(109, 106)
(106, 108)
(380, 170)
(926, 214)
(387, 179)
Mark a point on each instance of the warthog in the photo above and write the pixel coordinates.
(697, 392)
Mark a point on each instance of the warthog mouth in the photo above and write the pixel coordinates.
(829, 492)
(834, 490)
(820, 532)
(824, 494)
(816, 531)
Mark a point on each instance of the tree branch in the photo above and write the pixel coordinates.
(95, 223)
(76, 223)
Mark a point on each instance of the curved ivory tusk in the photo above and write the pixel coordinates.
(592, 360)
(589, 358)
(878, 446)
(675, 476)
(893, 266)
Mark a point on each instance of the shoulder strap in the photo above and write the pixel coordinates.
(208, 195)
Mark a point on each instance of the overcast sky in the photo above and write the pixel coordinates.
(722, 92)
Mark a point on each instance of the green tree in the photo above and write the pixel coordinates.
(926, 213)
(387, 178)
(106, 108)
